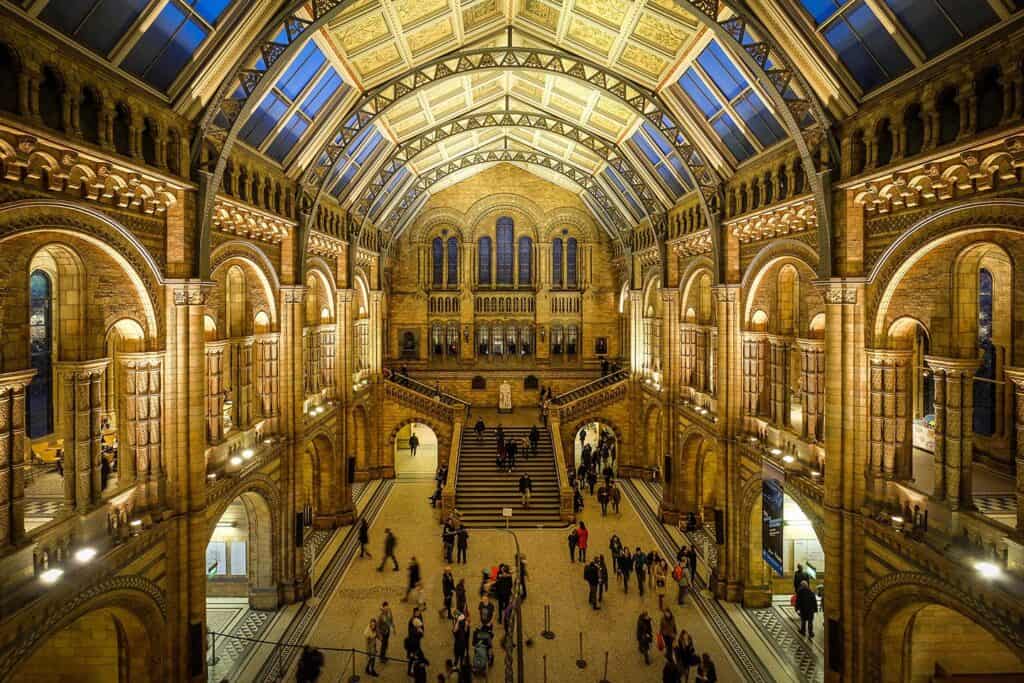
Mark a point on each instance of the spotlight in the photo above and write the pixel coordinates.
(815, 473)
(247, 454)
(988, 570)
(83, 555)
(788, 459)
(753, 439)
(235, 461)
(211, 476)
(775, 451)
(136, 523)
(51, 576)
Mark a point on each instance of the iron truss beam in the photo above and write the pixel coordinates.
(387, 95)
(602, 147)
(612, 218)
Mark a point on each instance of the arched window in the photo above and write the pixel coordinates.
(236, 302)
(122, 130)
(452, 347)
(990, 99)
(436, 340)
(570, 262)
(913, 123)
(572, 340)
(8, 80)
(505, 234)
(453, 262)
(525, 260)
(149, 142)
(949, 116)
(985, 391)
(438, 257)
(483, 340)
(484, 258)
(40, 389)
(556, 262)
(557, 340)
(51, 96)
(89, 115)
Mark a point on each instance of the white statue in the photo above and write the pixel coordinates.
(505, 396)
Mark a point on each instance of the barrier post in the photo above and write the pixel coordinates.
(604, 679)
(581, 663)
(547, 633)
(354, 678)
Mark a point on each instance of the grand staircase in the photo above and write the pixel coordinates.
(481, 491)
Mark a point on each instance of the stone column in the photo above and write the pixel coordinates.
(12, 456)
(215, 391)
(755, 374)
(812, 389)
(294, 576)
(1016, 376)
(779, 380)
(142, 398)
(636, 324)
(82, 404)
(375, 327)
(267, 374)
(688, 372)
(954, 413)
(243, 353)
(728, 579)
(328, 359)
(891, 435)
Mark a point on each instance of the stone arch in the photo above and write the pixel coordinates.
(262, 505)
(320, 473)
(319, 295)
(361, 438)
(699, 480)
(254, 260)
(654, 438)
(993, 216)
(443, 440)
(893, 600)
(139, 609)
(567, 216)
(95, 228)
(526, 213)
(788, 252)
(690, 285)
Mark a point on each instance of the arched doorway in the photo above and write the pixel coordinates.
(240, 561)
(923, 641)
(116, 640)
(598, 440)
(318, 480)
(418, 463)
(654, 443)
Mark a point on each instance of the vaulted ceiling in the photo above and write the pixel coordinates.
(633, 104)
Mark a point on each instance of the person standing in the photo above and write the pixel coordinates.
(460, 637)
(615, 547)
(414, 636)
(574, 539)
(583, 437)
(448, 590)
(591, 479)
(625, 568)
(660, 580)
(691, 556)
(644, 635)
(364, 538)
(710, 674)
(486, 610)
(479, 429)
(389, 550)
(602, 498)
(806, 607)
(799, 576)
(685, 654)
(385, 625)
(534, 440)
(503, 589)
(602, 576)
(310, 662)
(461, 544)
(525, 489)
(414, 443)
(667, 631)
(583, 536)
(414, 578)
(670, 672)
(460, 596)
(682, 578)
(511, 450)
(372, 639)
(616, 498)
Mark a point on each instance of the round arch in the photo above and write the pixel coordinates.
(424, 459)
(129, 607)
(249, 514)
(602, 422)
(783, 251)
(252, 261)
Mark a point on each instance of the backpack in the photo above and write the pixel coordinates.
(677, 573)
(574, 537)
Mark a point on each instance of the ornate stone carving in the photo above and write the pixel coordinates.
(790, 217)
(190, 294)
(241, 219)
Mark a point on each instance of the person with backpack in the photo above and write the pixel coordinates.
(574, 539)
(682, 578)
(644, 635)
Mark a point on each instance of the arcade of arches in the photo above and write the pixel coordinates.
(759, 259)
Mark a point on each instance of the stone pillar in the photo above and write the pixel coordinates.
(215, 391)
(891, 433)
(376, 326)
(729, 365)
(82, 405)
(267, 376)
(688, 370)
(755, 374)
(12, 456)
(636, 324)
(295, 584)
(812, 389)
(242, 351)
(328, 359)
(142, 417)
(1016, 376)
(779, 380)
(954, 413)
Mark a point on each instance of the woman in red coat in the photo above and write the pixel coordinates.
(581, 541)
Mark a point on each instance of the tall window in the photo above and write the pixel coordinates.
(505, 230)
(985, 391)
(525, 260)
(484, 258)
(438, 264)
(570, 262)
(453, 262)
(556, 262)
(40, 390)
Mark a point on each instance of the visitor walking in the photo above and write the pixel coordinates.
(582, 537)
(385, 625)
(592, 577)
(461, 544)
(364, 538)
(448, 590)
(806, 607)
(534, 439)
(460, 638)
(602, 498)
(389, 550)
(667, 632)
(616, 499)
(625, 568)
(460, 596)
(682, 578)
(310, 662)
(479, 429)
(414, 443)
(640, 566)
(707, 670)
(503, 589)
(525, 489)
(660, 579)
(372, 640)
(615, 547)
(414, 578)
(644, 635)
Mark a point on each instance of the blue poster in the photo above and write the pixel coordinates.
(772, 498)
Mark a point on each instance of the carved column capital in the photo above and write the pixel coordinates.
(190, 292)
(293, 294)
(953, 367)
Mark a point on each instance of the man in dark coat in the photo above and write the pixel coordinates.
(389, 550)
(461, 544)
(503, 589)
(806, 607)
(592, 576)
(534, 439)
(364, 538)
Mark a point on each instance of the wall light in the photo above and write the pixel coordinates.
(136, 523)
(775, 451)
(51, 576)
(248, 453)
(211, 476)
(988, 570)
(83, 555)
(788, 459)
(235, 461)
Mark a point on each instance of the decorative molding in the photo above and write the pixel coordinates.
(190, 293)
(694, 244)
(322, 244)
(795, 216)
(234, 217)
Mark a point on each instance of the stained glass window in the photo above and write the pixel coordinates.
(40, 389)
(505, 234)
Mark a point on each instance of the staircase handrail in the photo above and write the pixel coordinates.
(584, 389)
(454, 449)
(565, 493)
(427, 390)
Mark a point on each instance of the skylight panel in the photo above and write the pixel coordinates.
(166, 46)
(822, 10)
(733, 137)
(938, 25)
(98, 25)
(210, 10)
(721, 71)
(865, 47)
(319, 96)
(630, 200)
(758, 119)
(699, 93)
(263, 120)
(287, 137)
(301, 71)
